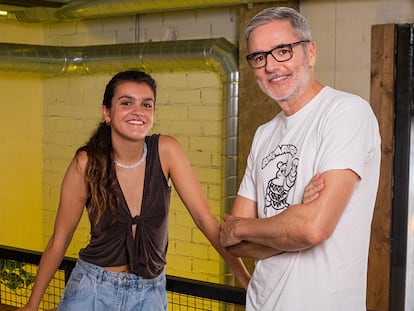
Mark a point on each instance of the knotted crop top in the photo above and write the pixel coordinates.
(112, 244)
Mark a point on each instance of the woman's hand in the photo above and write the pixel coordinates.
(313, 189)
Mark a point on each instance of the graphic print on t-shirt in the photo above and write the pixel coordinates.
(284, 162)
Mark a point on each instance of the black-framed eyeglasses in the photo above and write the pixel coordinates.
(281, 53)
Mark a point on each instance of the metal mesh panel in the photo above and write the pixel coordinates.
(176, 301)
(18, 269)
(13, 289)
(184, 302)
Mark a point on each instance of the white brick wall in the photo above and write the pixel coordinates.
(342, 30)
(187, 25)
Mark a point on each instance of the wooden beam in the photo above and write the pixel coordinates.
(382, 102)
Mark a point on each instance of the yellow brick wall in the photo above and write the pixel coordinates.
(21, 161)
(189, 107)
(21, 148)
(56, 115)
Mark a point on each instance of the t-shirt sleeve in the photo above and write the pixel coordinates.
(248, 185)
(349, 136)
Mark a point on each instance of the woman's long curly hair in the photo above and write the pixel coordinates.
(100, 169)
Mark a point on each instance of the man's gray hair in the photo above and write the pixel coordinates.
(297, 20)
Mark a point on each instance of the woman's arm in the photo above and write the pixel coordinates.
(72, 201)
(176, 164)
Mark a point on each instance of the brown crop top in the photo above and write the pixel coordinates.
(114, 245)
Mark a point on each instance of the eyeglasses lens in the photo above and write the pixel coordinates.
(280, 54)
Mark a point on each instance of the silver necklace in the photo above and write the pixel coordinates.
(144, 154)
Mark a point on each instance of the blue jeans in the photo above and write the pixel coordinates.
(92, 288)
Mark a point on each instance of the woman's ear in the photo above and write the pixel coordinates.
(106, 115)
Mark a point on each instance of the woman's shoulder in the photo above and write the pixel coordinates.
(80, 159)
(167, 140)
(169, 146)
(161, 139)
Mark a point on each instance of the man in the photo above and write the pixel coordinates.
(310, 256)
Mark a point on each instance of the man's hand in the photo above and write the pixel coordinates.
(227, 230)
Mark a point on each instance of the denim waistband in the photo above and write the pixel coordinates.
(118, 278)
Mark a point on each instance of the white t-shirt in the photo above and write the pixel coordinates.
(335, 130)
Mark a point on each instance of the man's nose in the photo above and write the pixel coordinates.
(271, 62)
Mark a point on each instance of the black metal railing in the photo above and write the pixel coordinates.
(18, 267)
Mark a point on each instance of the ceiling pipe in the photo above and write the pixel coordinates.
(81, 9)
(216, 55)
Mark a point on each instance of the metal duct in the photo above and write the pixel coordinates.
(217, 55)
(81, 9)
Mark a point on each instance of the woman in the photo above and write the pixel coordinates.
(123, 177)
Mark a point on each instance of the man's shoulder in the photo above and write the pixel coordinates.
(340, 95)
(271, 123)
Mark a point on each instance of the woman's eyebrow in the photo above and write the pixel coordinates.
(133, 98)
(126, 96)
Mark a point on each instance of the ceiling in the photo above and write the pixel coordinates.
(16, 5)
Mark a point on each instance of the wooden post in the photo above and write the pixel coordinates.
(382, 102)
